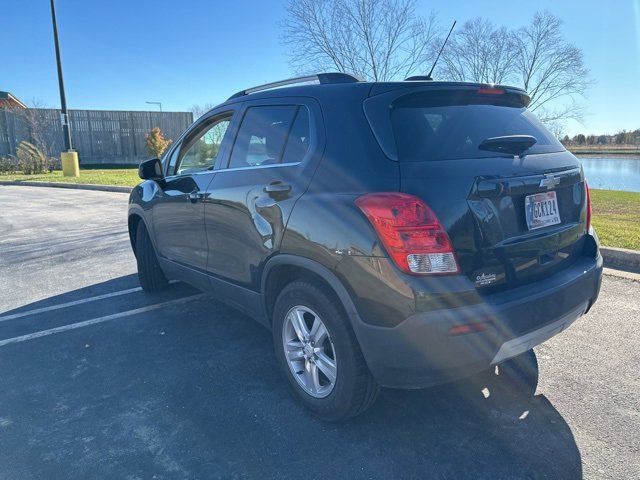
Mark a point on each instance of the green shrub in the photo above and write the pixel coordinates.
(9, 165)
(55, 164)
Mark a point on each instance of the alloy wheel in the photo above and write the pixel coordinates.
(309, 351)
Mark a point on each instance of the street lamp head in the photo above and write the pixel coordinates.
(155, 103)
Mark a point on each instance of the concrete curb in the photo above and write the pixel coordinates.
(612, 272)
(78, 186)
(621, 258)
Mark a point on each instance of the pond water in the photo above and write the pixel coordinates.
(612, 173)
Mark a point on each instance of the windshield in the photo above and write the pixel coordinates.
(434, 127)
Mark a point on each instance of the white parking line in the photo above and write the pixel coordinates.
(93, 321)
(69, 304)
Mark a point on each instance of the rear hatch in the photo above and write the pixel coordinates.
(511, 198)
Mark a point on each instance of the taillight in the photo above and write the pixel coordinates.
(586, 187)
(410, 232)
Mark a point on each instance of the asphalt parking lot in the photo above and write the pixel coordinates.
(100, 380)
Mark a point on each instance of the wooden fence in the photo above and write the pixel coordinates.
(99, 136)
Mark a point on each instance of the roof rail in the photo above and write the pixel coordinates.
(418, 78)
(322, 78)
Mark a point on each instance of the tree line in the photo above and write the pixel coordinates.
(623, 137)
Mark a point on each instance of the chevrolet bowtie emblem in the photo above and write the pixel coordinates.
(549, 181)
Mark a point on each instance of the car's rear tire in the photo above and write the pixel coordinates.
(150, 274)
(518, 374)
(324, 365)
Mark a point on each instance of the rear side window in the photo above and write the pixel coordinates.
(298, 141)
(446, 126)
(263, 135)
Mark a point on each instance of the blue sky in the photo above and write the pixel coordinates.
(118, 54)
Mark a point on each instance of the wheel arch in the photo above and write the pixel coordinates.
(283, 269)
(133, 222)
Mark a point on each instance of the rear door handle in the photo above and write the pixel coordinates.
(277, 188)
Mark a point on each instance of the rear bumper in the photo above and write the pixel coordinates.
(419, 351)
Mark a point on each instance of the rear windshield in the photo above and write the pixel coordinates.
(447, 126)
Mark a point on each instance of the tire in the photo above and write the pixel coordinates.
(354, 390)
(519, 375)
(150, 274)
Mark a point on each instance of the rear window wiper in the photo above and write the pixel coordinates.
(513, 144)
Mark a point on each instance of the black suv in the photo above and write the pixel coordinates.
(396, 234)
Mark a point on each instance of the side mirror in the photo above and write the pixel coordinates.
(150, 170)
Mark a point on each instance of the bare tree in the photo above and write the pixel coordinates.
(199, 110)
(536, 57)
(479, 52)
(550, 68)
(384, 40)
(37, 125)
(377, 40)
(549, 115)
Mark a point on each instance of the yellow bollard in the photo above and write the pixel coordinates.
(70, 165)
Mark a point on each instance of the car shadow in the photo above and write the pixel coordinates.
(116, 291)
(453, 431)
(109, 286)
(450, 431)
(193, 391)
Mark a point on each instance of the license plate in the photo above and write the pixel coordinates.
(541, 210)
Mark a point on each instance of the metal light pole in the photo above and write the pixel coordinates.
(156, 103)
(69, 157)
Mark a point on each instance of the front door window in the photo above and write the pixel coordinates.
(200, 152)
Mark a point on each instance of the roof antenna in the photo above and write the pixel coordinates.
(441, 48)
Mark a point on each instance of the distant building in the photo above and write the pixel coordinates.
(8, 101)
